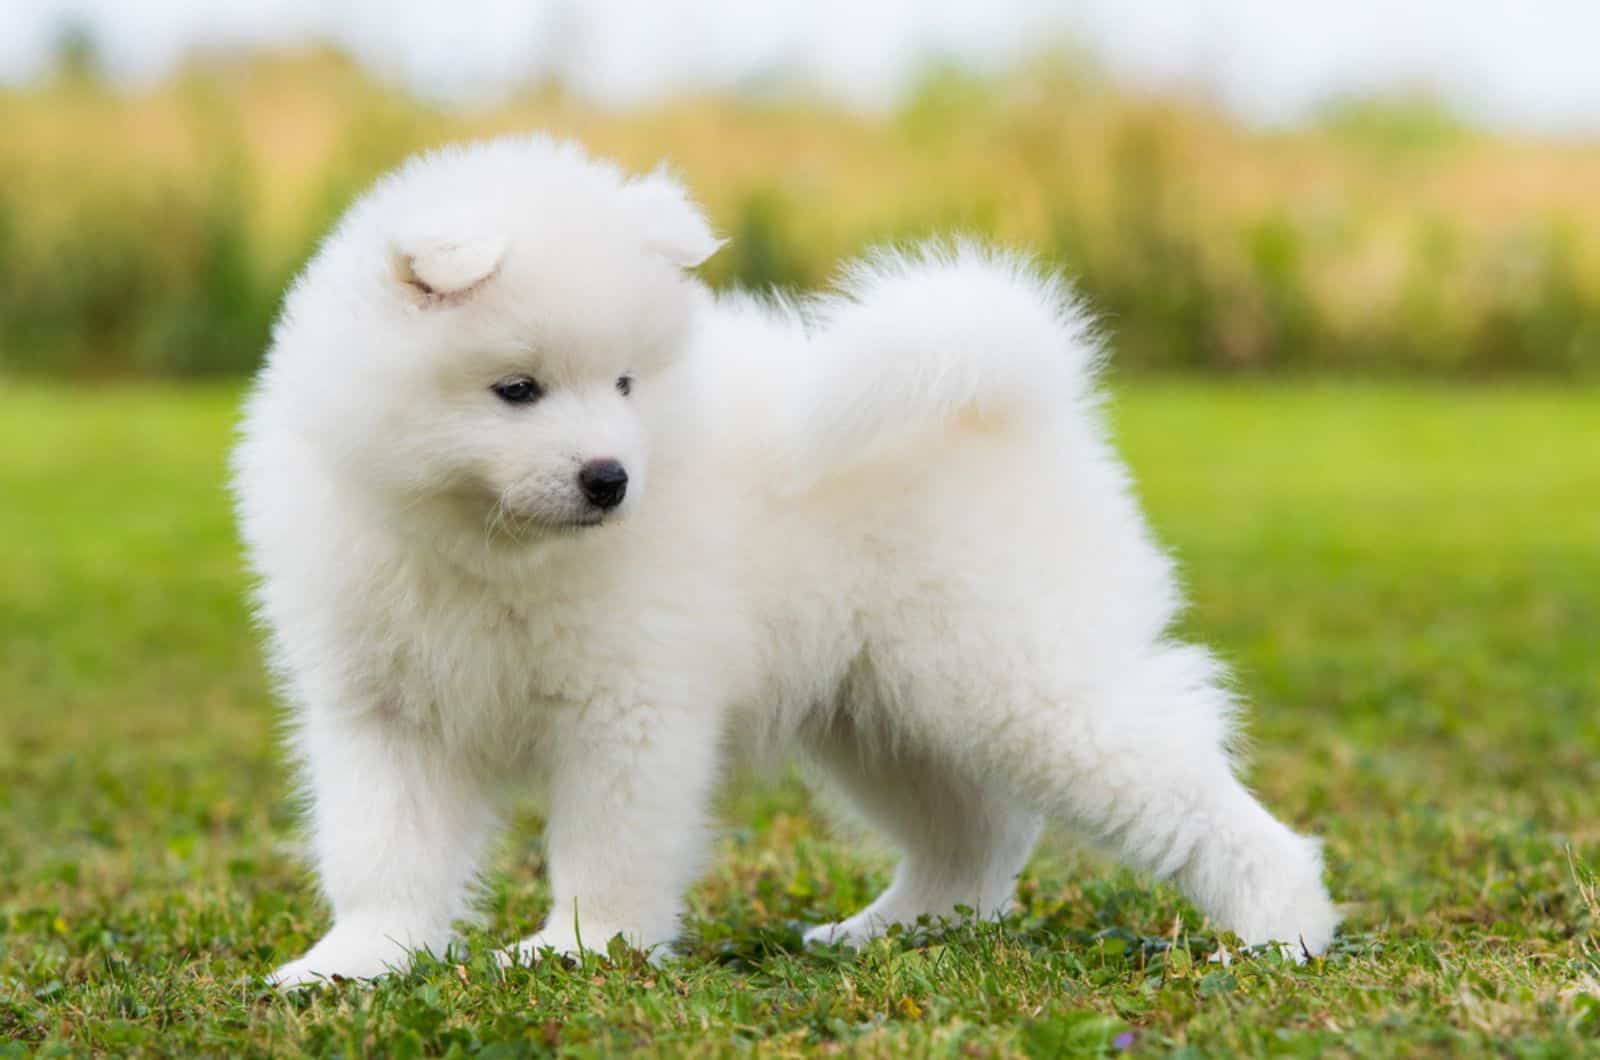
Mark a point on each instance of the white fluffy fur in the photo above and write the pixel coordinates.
(883, 529)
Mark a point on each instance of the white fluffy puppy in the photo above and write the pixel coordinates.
(529, 505)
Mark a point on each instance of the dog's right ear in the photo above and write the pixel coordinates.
(446, 270)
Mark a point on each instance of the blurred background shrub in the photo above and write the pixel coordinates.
(151, 232)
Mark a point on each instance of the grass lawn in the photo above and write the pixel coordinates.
(1407, 578)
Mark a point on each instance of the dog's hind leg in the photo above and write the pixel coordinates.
(1141, 764)
(962, 843)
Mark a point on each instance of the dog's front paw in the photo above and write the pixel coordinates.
(344, 954)
(566, 943)
(528, 952)
(852, 933)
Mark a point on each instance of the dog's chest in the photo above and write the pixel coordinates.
(483, 673)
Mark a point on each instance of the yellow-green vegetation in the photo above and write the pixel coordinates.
(152, 233)
(1405, 576)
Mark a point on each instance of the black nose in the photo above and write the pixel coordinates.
(604, 482)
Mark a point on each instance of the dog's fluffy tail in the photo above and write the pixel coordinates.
(913, 340)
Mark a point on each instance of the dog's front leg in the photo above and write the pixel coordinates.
(627, 827)
(396, 828)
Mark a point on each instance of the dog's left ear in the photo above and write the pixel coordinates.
(447, 269)
(673, 225)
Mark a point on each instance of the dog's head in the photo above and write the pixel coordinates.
(489, 332)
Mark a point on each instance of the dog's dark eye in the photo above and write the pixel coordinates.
(624, 385)
(518, 390)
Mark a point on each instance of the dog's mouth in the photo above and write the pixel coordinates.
(578, 522)
(511, 526)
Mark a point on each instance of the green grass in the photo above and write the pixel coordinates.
(1407, 578)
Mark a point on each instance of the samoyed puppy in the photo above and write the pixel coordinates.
(532, 509)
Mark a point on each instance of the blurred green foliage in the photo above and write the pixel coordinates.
(152, 233)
